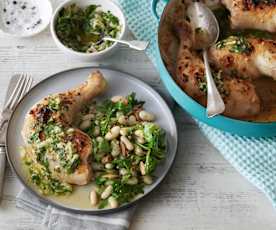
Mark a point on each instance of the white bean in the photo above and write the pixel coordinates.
(118, 98)
(109, 182)
(147, 179)
(70, 131)
(85, 124)
(113, 203)
(139, 133)
(132, 181)
(107, 192)
(127, 143)
(146, 116)
(123, 171)
(93, 198)
(132, 120)
(110, 176)
(118, 114)
(96, 131)
(115, 148)
(108, 136)
(88, 117)
(113, 133)
(122, 120)
(99, 139)
(142, 168)
(109, 166)
(139, 151)
(140, 140)
(124, 131)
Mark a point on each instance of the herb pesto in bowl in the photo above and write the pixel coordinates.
(81, 29)
(78, 27)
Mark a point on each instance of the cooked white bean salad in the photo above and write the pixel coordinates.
(127, 147)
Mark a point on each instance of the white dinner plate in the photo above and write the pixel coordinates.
(119, 84)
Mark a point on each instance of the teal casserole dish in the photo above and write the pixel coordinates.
(197, 111)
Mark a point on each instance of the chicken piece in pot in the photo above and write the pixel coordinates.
(48, 128)
(247, 57)
(239, 95)
(250, 14)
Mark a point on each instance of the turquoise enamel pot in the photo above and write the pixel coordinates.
(234, 126)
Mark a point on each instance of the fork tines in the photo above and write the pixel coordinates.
(23, 85)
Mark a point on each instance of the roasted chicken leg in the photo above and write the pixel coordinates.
(239, 95)
(247, 57)
(50, 124)
(250, 14)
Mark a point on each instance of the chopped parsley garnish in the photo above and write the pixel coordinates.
(219, 83)
(235, 44)
(54, 103)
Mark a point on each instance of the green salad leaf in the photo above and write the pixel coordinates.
(124, 192)
(155, 146)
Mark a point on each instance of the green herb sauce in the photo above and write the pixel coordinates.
(47, 143)
(82, 29)
(235, 44)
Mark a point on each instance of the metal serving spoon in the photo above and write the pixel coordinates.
(206, 34)
(134, 44)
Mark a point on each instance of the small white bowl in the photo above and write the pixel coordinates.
(105, 5)
(43, 10)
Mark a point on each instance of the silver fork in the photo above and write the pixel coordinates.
(22, 86)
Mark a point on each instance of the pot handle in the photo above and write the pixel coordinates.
(154, 6)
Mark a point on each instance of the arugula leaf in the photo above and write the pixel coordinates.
(122, 163)
(124, 192)
(155, 138)
(103, 204)
(100, 180)
(104, 146)
(150, 164)
(155, 146)
(90, 10)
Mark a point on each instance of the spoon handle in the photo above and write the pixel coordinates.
(115, 40)
(138, 45)
(215, 104)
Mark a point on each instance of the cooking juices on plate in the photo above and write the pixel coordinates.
(71, 140)
(81, 29)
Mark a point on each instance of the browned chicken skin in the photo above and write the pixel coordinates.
(251, 14)
(239, 95)
(258, 60)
